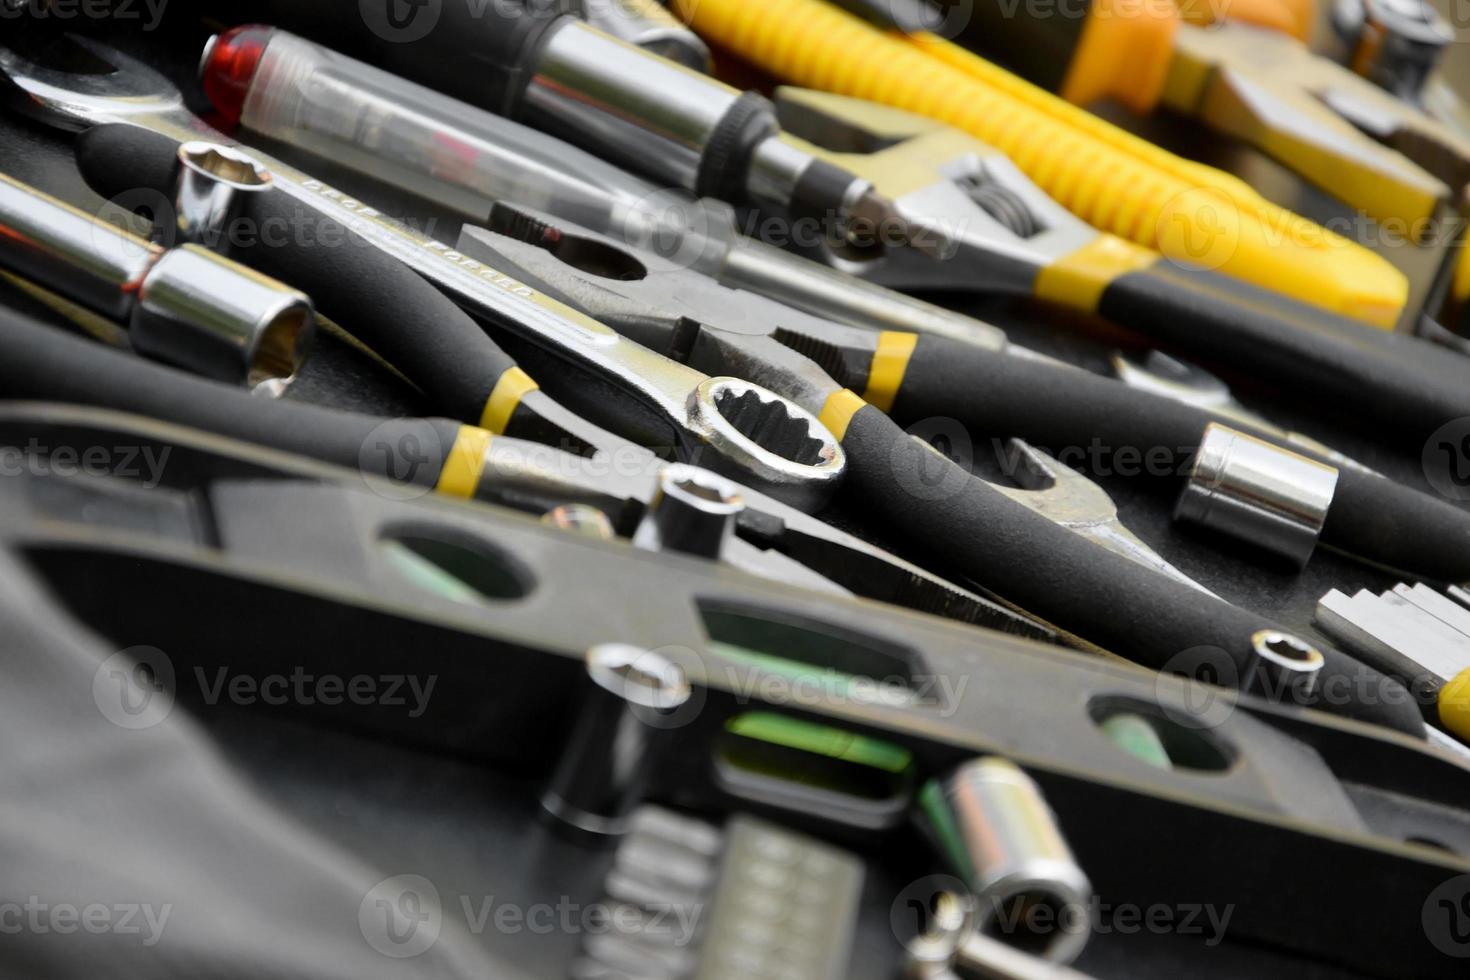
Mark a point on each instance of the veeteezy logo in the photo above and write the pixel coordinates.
(406, 21)
(38, 917)
(149, 11)
(136, 688)
(142, 463)
(401, 21)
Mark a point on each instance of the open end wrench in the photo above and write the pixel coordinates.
(795, 458)
(1161, 374)
(1068, 498)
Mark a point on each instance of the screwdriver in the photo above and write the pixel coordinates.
(558, 73)
(302, 94)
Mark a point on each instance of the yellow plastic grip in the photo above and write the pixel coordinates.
(890, 362)
(507, 394)
(837, 414)
(1460, 285)
(1112, 179)
(460, 476)
(1293, 17)
(1077, 281)
(1454, 706)
(1124, 53)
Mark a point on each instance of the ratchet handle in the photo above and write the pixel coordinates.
(374, 297)
(1062, 577)
(1082, 417)
(1401, 384)
(42, 363)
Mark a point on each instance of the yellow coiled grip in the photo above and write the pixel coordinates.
(1122, 184)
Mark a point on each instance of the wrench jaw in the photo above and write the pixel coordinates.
(1160, 374)
(1069, 499)
(1333, 127)
(1000, 228)
(1168, 377)
(74, 101)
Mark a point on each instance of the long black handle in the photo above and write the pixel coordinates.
(1088, 418)
(372, 295)
(1403, 386)
(43, 363)
(1077, 585)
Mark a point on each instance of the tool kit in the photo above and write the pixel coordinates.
(792, 489)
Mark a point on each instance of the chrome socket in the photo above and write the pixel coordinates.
(693, 511)
(220, 320)
(628, 712)
(1284, 667)
(212, 191)
(992, 823)
(78, 255)
(1258, 492)
(186, 306)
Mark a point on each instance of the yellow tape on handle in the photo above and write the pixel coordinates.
(837, 414)
(1454, 706)
(465, 463)
(501, 405)
(890, 363)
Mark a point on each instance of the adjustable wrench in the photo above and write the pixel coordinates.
(1012, 238)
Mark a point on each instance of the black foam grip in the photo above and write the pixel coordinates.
(43, 363)
(726, 158)
(1084, 418)
(370, 294)
(1396, 526)
(1053, 407)
(1077, 585)
(1404, 387)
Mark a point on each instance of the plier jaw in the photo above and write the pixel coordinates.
(1334, 128)
(656, 302)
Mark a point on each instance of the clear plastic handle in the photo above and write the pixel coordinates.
(454, 154)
